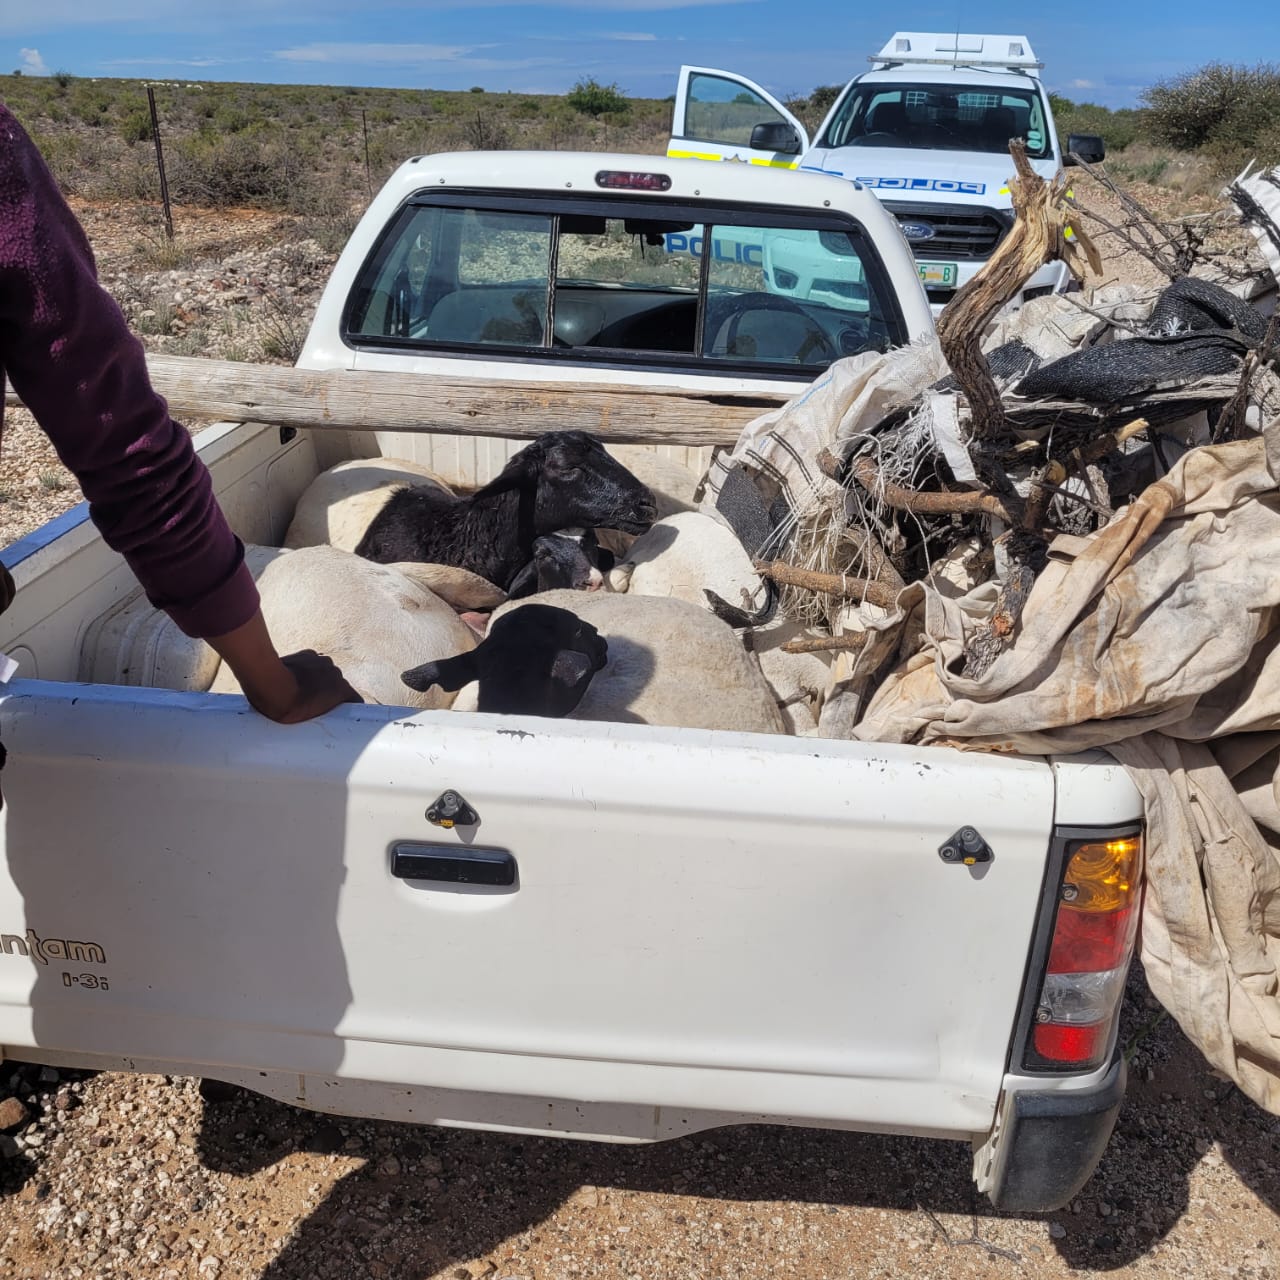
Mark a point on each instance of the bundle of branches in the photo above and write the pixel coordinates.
(983, 480)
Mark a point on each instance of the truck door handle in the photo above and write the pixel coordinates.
(446, 863)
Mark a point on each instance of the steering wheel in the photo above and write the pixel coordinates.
(734, 309)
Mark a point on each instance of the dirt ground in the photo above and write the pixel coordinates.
(140, 1177)
(115, 1175)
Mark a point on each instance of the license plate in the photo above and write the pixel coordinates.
(941, 275)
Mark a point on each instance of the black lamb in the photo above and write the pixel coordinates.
(563, 480)
(536, 661)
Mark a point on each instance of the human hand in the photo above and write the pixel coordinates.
(312, 686)
(287, 690)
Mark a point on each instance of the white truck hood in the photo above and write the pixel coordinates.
(943, 177)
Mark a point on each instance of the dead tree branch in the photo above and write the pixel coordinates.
(925, 504)
(831, 584)
(991, 639)
(1098, 449)
(825, 644)
(1043, 230)
(1231, 423)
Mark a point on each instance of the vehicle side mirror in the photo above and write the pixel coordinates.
(777, 135)
(1088, 146)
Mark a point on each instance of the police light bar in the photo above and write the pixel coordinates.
(621, 180)
(927, 48)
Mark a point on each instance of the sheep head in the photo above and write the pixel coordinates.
(535, 661)
(574, 483)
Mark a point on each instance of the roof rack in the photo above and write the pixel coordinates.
(934, 49)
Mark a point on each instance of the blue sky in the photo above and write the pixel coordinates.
(1102, 54)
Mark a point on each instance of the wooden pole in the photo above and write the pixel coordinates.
(364, 400)
(368, 172)
(164, 181)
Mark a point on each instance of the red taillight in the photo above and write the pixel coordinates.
(1093, 936)
(1086, 942)
(1071, 1044)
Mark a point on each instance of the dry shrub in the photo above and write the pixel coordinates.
(1231, 112)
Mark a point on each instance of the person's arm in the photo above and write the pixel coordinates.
(70, 356)
(288, 690)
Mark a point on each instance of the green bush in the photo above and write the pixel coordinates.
(136, 127)
(1119, 129)
(231, 120)
(1219, 105)
(236, 170)
(590, 98)
(823, 96)
(91, 107)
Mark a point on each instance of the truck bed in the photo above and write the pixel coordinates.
(702, 927)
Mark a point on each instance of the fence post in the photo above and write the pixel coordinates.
(164, 181)
(368, 174)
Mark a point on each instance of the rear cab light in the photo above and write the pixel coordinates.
(1082, 959)
(627, 180)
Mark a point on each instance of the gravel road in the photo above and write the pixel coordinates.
(141, 1176)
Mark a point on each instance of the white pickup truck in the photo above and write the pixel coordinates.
(648, 931)
(927, 129)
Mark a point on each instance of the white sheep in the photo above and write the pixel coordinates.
(799, 680)
(340, 504)
(669, 663)
(374, 620)
(686, 555)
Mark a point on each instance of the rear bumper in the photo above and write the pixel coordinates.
(1050, 1142)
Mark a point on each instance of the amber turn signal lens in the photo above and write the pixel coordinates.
(1103, 875)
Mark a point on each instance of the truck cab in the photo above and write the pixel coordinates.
(927, 129)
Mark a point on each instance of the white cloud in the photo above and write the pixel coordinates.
(32, 63)
(627, 35)
(375, 54)
(354, 54)
(165, 62)
(1084, 84)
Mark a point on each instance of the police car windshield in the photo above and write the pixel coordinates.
(940, 117)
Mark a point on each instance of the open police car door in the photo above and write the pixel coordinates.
(722, 116)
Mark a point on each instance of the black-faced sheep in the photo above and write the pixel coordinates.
(695, 558)
(537, 661)
(672, 483)
(340, 504)
(669, 663)
(563, 480)
(569, 558)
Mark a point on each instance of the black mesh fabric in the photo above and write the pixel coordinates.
(1197, 304)
(1120, 372)
(1007, 362)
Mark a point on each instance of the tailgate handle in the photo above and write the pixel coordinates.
(446, 863)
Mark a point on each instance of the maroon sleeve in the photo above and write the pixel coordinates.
(71, 358)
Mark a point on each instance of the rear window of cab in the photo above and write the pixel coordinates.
(610, 280)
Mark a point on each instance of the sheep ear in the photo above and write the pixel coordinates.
(516, 473)
(449, 673)
(525, 582)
